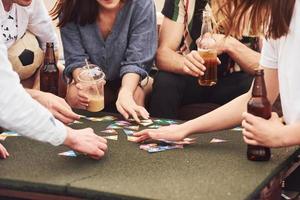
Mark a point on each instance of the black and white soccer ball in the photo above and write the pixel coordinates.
(26, 56)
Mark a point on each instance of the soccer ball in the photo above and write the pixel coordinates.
(26, 56)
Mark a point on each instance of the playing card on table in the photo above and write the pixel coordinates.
(185, 141)
(134, 128)
(238, 128)
(128, 132)
(131, 138)
(153, 148)
(77, 122)
(122, 123)
(9, 134)
(111, 137)
(68, 154)
(146, 122)
(113, 126)
(2, 138)
(216, 140)
(110, 131)
(154, 126)
(100, 119)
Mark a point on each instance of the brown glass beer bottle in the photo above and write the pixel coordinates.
(206, 45)
(260, 106)
(49, 72)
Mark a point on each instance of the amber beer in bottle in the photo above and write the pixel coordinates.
(49, 72)
(207, 50)
(260, 106)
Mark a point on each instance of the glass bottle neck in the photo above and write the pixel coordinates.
(49, 55)
(259, 86)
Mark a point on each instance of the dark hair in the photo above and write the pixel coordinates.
(271, 17)
(80, 12)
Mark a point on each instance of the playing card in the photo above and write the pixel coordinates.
(153, 148)
(154, 126)
(134, 128)
(110, 131)
(238, 128)
(113, 126)
(131, 138)
(111, 137)
(9, 134)
(100, 119)
(128, 132)
(185, 141)
(146, 123)
(77, 122)
(2, 138)
(122, 123)
(216, 140)
(68, 154)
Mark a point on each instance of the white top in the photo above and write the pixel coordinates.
(9, 27)
(20, 113)
(34, 18)
(283, 54)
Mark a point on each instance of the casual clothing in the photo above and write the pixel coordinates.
(167, 100)
(130, 47)
(283, 54)
(15, 23)
(33, 18)
(20, 113)
(9, 27)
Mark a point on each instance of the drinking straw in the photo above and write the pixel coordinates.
(93, 78)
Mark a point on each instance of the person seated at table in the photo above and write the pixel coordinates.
(120, 37)
(26, 27)
(20, 113)
(180, 65)
(279, 59)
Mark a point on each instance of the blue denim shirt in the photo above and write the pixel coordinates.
(129, 48)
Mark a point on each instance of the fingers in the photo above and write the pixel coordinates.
(251, 119)
(61, 117)
(142, 135)
(66, 111)
(3, 152)
(251, 142)
(247, 126)
(248, 134)
(97, 154)
(122, 111)
(142, 112)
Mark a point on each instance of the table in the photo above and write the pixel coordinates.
(199, 171)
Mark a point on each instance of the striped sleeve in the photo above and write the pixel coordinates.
(174, 10)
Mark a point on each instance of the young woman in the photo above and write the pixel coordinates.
(280, 53)
(117, 35)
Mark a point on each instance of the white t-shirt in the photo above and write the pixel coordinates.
(283, 54)
(9, 27)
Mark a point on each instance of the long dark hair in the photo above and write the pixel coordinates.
(80, 12)
(271, 17)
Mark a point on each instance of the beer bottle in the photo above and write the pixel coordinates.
(49, 72)
(206, 45)
(259, 106)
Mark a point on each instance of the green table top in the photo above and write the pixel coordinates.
(199, 171)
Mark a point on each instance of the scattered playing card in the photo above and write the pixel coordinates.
(68, 154)
(100, 119)
(113, 126)
(216, 140)
(122, 123)
(146, 122)
(153, 148)
(9, 134)
(77, 122)
(111, 137)
(2, 138)
(134, 128)
(82, 116)
(110, 131)
(185, 141)
(131, 120)
(155, 126)
(128, 132)
(238, 128)
(131, 138)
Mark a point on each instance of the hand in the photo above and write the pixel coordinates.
(193, 64)
(127, 106)
(221, 42)
(87, 142)
(261, 132)
(3, 152)
(172, 133)
(58, 107)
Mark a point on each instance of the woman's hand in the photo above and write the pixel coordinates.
(128, 107)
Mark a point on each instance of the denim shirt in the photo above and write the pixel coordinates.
(129, 48)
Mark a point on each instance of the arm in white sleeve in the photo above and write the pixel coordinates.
(20, 113)
(40, 24)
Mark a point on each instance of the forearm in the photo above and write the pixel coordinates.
(224, 117)
(35, 94)
(169, 60)
(130, 82)
(245, 57)
(291, 134)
